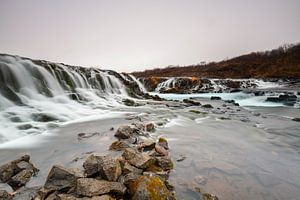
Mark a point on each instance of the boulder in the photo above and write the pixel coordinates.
(127, 168)
(10, 169)
(20, 179)
(215, 98)
(165, 162)
(25, 193)
(118, 146)
(137, 159)
(150, 127)
(207, 106)
(62, 179)
(147, 144)
(191, 102)
(90, 187)
(129, 178)
(5, 195)
(71, 197)
(125, 132)
(107, 167)
(207, 196)
(149, 187)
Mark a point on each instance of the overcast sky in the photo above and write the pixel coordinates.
(129, 35)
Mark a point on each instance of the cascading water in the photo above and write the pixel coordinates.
(38, 95)
(141, 85)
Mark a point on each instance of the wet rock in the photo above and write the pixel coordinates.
(215, 98)
(5, 195)
(129, 102)
(10, 169)
(207, 106)
(129, 178)
(163, 142)
(91, 187)
(62, 179)
(71, 197)
(107, 167)
(149, 187)
(286, 99)
(24, 126)
(125, 132)
(161, 150)
(20, 179)
(118, 146)
(235, 90)
(165, 163)
(137, 159)
(181, 158)
(191, 102)
(147, 144)
(195, 111)
(42, 117)
(150, 127)
(296, 119)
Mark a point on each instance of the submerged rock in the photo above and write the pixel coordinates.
(150, 127)
(191, 102)
(91, 187)
(215, 98)
(129, 102)
(207, 106)
(137, 159)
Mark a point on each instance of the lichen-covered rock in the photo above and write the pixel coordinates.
(125, 132)
(107, 167)
(71, 197)
(5, 195)
(137, 159)
(62, 179)
(149, 188)
(90, 187)
(118, 146)
(207, 196)
(20, 179)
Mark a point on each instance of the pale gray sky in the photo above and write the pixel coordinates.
(128, 35)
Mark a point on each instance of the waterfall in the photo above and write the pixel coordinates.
(141, 85)
(36, 95)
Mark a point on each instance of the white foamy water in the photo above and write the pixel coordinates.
(39, 96)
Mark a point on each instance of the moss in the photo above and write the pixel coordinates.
(157, 189)
(161, 139)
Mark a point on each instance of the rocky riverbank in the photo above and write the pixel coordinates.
(140, 171)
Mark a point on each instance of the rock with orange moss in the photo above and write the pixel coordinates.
(150, 188)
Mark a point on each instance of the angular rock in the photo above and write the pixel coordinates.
(25, 193)
(127, 168)
(207, 196)
(61, 179)
(137, 159)
(150, 188)
(20, 179)
(161, 150)
(125, 132)
(5, 195)
(71, 197)
(118, 146)
(165, 163)
(129, 178)
(10, 169)
(107, 167)
(147, 144)
(90, 187)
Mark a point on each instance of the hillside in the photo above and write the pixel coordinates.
(283, 62)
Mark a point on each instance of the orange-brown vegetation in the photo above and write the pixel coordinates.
(283, 62)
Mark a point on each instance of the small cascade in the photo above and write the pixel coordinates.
(141, 85)
(170, 83)
(37, 95)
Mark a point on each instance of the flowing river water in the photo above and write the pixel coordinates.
(249, 151)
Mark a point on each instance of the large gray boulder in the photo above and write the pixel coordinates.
(137, 159)
(62, 179)
(107, 167)
(90, 187)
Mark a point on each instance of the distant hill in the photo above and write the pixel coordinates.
(283, 62)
